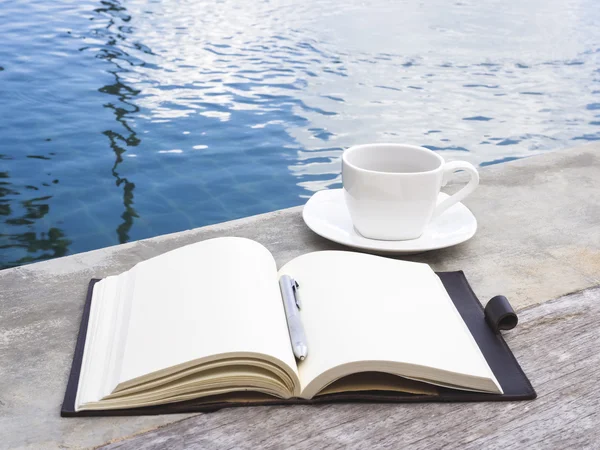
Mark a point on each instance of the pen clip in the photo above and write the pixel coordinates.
(295, 287)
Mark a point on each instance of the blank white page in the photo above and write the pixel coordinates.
(210, 298)
(358, 307)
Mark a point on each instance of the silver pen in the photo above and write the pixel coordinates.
(291, 304)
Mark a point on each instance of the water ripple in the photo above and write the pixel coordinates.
(127, 119)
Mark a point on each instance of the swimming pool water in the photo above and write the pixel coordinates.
(122, 120)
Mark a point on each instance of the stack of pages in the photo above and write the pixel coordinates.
(207, 322)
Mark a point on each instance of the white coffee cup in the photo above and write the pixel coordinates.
(391, 190)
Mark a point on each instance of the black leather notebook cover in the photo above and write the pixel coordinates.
(509, 374)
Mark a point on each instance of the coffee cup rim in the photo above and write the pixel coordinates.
(353, 148)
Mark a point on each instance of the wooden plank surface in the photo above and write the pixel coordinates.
(557, 344)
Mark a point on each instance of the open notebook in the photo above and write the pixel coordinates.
(207, 320)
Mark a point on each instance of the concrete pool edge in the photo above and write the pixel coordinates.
(537, 240)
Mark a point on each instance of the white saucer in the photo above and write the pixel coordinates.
(326, 214)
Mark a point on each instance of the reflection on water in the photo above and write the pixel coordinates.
(48, 244)
(127, 119)
(123, 106)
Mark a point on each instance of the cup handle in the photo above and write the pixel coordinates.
(449, 169)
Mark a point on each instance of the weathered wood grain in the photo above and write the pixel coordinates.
(557, 344)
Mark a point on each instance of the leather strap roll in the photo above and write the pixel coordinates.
(500, 315)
